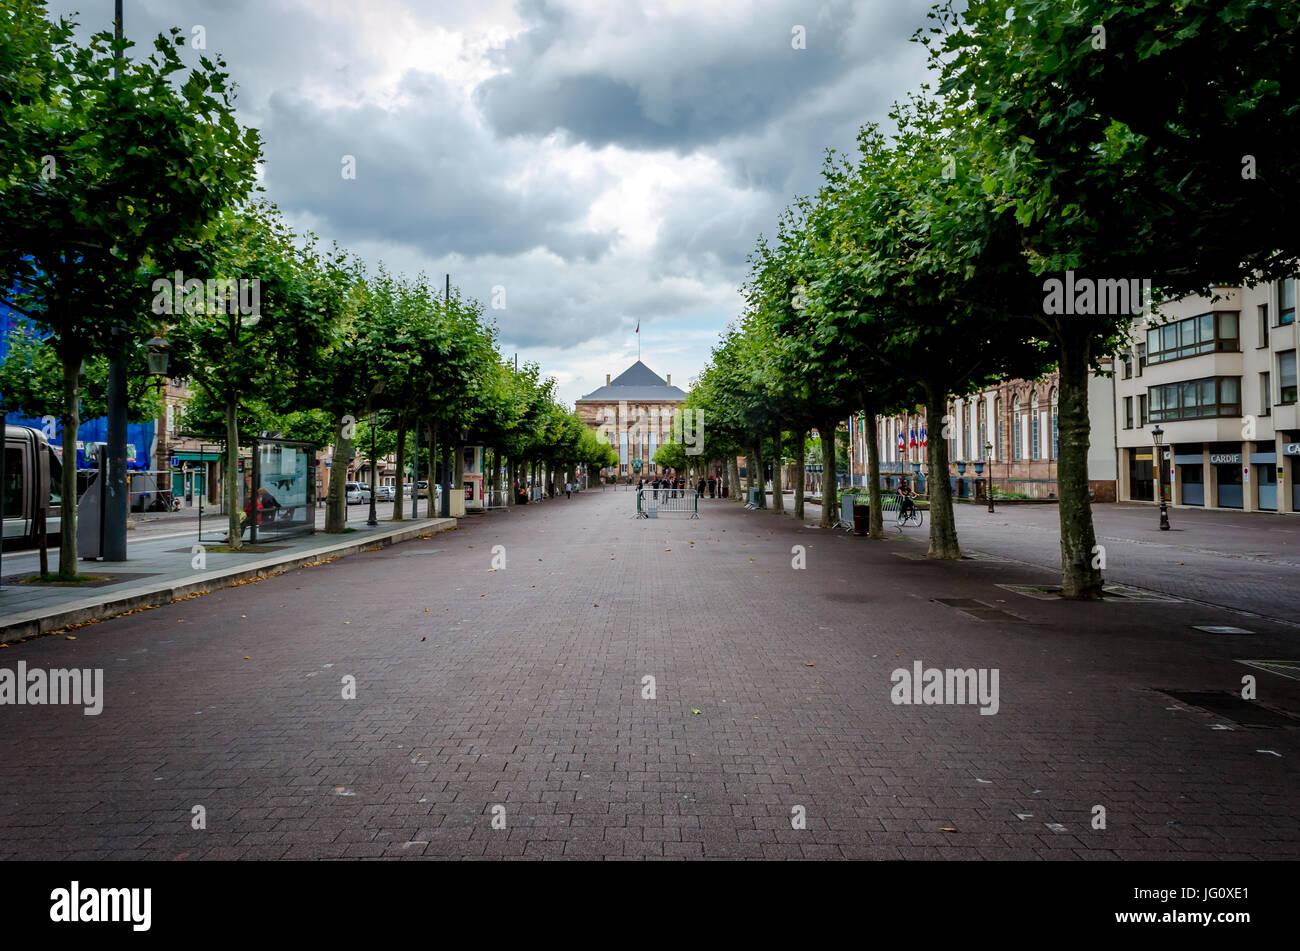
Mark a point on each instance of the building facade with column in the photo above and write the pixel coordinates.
(1217, 376)
(635, 410)
(1011, 429)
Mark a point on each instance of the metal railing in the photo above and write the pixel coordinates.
(651, 503)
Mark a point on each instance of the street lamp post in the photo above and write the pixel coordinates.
(374, 519)
(158, 350)
(1157, 436)
(988, 452)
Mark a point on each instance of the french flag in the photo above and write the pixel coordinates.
(924, 437)
(911, 435)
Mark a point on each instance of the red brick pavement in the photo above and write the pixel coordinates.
(522, 688)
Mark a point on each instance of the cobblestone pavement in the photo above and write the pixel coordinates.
(519, 695)
(1245, 561)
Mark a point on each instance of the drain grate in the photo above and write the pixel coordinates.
(1244, 712)
(991, 614)
(1283, 668)
(979, 610)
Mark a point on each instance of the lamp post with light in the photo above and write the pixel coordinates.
(988, 454)
(1157, 436)
(373, 520)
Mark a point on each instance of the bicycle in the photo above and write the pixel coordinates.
(913, 515)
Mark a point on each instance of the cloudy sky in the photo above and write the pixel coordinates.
(602, 161)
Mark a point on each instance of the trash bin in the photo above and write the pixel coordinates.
(861, 519)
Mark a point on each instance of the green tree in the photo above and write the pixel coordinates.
(253, 342)
(84, 205)
(1098, 146)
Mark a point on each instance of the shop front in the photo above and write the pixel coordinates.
(1141, 475)
(1229, 480)
(1291, 468)
(1263, 470)
(1191, 478)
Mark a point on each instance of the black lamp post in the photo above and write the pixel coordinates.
(374, 519)
(988, 452)
(1157, 436)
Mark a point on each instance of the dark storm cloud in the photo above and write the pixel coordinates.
(426, 175)
(686, 81)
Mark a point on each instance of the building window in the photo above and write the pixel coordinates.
(1127, 359)
(1142, 358)
(1128, 412)
(1207, 398)
(1286, 377)
(1142, 410)
(1286, 302)
(1033, 427)
(1206, 333)
(984, 427)
(1263, 326)
(1056, 425)
(1265, 394)
(965, 431)
(1015, 429)
(997, 421)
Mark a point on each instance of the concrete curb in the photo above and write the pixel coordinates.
(32, 623)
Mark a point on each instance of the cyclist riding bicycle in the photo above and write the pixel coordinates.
(905, 505)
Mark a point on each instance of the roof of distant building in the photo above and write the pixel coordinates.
(637, 383)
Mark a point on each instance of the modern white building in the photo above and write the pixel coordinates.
(1217, 375)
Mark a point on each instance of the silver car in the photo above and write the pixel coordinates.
(385, 493)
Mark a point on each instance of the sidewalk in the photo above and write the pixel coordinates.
(162, 567)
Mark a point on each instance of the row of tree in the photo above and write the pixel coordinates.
(1119, 139)
(129, 208)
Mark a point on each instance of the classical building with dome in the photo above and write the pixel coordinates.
(635, 410)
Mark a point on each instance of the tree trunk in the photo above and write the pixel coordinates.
(1079, 579)
(943, 526)
(399, 509)
(733, 478)
(336, 502)
(760, 476)
(830, 493)
(71, 423)
(800, 475)
(873, 473)
(778, 501)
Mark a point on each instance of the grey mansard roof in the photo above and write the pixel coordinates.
(637, 383)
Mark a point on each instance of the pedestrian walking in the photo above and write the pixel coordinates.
(568, 490)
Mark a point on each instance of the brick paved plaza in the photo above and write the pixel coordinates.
(523, 688)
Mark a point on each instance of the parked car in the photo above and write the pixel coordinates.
(358, 492)
(385, 493)
(423, 488)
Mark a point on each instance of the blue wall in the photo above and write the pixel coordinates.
(141, 435)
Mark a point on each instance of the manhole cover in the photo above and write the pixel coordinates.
(1244, 712)
(1220, 629)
